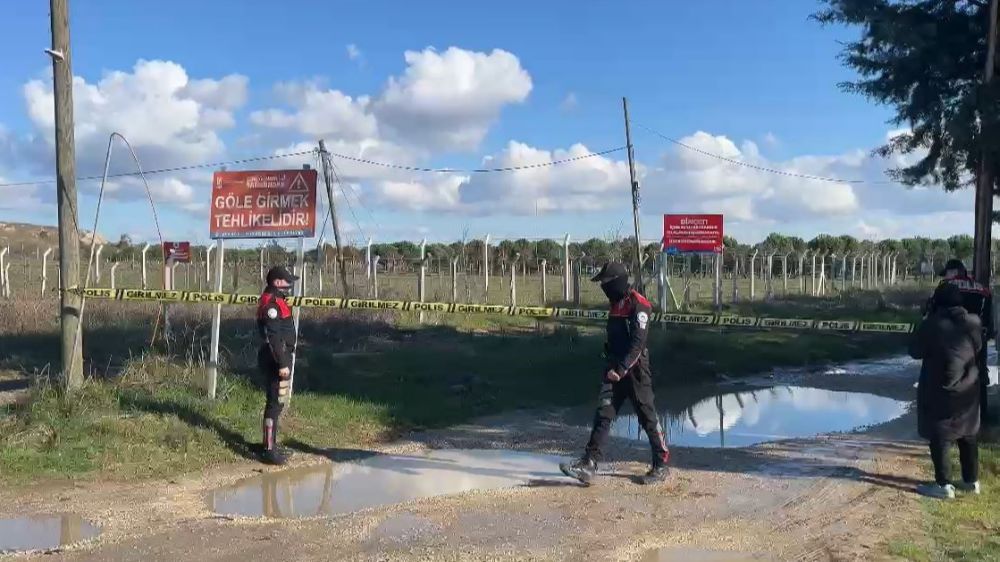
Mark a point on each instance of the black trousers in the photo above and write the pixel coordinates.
(272, 407)
(637, 387)
(968, 454)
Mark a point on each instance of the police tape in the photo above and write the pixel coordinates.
(235, 299)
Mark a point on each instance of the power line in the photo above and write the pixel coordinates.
(167, 170)
(475, 170)
(759, 168)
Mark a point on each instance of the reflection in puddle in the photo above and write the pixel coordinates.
(333, 489)
(44, 532)
(697, 555)
(747, 418)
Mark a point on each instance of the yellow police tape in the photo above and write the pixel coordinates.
(194, 297)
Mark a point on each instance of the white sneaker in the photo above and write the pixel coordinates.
(972, 488)
(933, 490)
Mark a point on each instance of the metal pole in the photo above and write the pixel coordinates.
(300, 291)
(545, 287)
(566, 271)
(454, 279)
(114, 272)
(422, 281)
(69, 235)
(753, 288)
(486, 269)
(213, 357)
(635, 199)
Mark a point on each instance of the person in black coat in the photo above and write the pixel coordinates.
(949, 341)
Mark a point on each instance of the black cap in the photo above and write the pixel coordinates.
(611, 270)
(279, 272)
(953, 264)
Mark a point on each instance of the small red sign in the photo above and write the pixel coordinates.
(692, 234)
(263, 204)
(180, 252)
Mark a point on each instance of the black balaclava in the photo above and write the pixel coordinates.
(616, 289)
(283, 292)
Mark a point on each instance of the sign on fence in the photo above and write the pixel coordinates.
(692, 234)
(263, 204)
(179, 251)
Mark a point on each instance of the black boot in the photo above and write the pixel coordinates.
(272, 453)
(658, 473)
(583, 470)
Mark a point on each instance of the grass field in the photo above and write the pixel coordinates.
(362, 378)
(965, 530)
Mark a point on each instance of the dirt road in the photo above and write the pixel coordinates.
(829, 498)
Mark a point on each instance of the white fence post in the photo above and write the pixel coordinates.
(213, 357)
(375, 276)
(114, 274)
(261, 262)
(320, 261)
(753, 287)
(422, 280)
(454, 279)
(97, 262)
(208, 268)
(45, 269)
(6, 280)
(486, 269)
(145, 284)
(566, 269)
(513, 279)
(3, 270)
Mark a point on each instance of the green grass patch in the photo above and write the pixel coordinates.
(967, 529)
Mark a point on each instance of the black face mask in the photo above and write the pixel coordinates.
(616, 289)
(282, 292)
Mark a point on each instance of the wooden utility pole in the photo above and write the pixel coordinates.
(69, 235)
(635, 199)
(982, 261)
(325, 159)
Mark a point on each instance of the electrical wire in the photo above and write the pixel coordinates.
(757, 167)
(474, 170)
(164, 170)
(340, 185)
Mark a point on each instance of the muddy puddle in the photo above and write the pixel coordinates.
(710, 418)
(44, 532)
(339, 488)
(698, 555)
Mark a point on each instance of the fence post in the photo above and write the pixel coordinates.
(513, 280)
(422, 280)
(486, 269)
(802, 272)
(320, 260)
(114, 274)
(753, 288)
(260, 262)
(545, 289)
(45, 269)
(375, 276)
(577, 272)
(3, 269)
(213, 357)
(566, 269)
(895, 256)
(784, 274)
(6, 280)
(454, 279)
(145, 280)
(717, 289)
(208, 268)
(97, 262)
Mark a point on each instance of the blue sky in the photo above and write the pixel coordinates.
(752, 81)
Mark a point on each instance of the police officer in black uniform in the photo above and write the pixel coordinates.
(277, 332)
(626, 377)
(978, 300)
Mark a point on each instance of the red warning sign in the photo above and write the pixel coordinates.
(692, 234)
(263, 204)
(180, 252)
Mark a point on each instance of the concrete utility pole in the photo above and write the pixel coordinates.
(984, 184)
(325, 159)
(635, 199)
(69, 235)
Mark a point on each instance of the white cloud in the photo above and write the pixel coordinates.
(320, 113)
(451, 99)
(353, 52)
(169, 119)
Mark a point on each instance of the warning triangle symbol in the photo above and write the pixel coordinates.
(299, 185)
